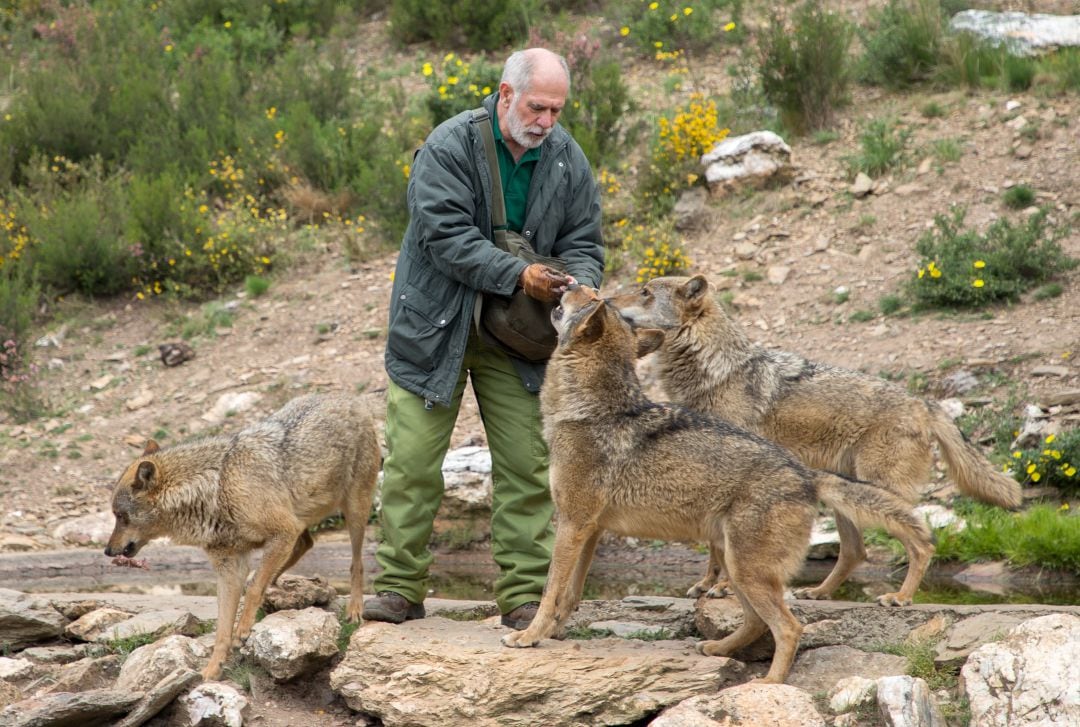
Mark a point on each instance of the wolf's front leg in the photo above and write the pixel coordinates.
(572, 543)
(231, 573)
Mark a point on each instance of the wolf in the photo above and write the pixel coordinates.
(831, 418)
(623, 463)
(262, 487)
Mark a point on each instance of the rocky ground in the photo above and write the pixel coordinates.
(321, 325)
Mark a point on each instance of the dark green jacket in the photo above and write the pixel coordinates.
(447, 254)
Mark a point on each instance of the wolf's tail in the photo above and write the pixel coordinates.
(971, 471)
(868, 505)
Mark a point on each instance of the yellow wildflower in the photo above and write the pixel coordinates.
(624, 31)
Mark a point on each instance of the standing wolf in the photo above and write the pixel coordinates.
(830, 418)
(620, 462)
(260, 488)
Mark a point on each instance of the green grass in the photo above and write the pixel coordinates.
(128, 644)
(1046, 292)
(256, 285)
(1043, 535)
(1018, 197)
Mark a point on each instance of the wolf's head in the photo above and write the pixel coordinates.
(583, 319)
(137, 516)
(665, 303)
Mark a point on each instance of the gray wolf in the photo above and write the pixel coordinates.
(262, 487)
(620, 462)
(829, 417)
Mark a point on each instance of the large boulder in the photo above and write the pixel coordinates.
(1021, 33)
(26, 619)
(291, 643)
(1031, 677)
(755, 160)
(438, 672)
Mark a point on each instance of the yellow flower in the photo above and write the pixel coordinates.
(1017, 455)
(687, 11)
(624, 31)
(228, 23)
(1030, 468)
(1050, 438)
(427, 70)
(653, 6)
(1069, 472)
(452, 80)
(979, 264)
(978, 283)
(658, 43)
(1065, 505)
(729, 27)
(935, 273)
(921, 273)
(1035, 477)
(169, 48)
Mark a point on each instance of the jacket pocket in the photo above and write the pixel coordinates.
(419, 331)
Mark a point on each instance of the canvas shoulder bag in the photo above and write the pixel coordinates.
(518, 324)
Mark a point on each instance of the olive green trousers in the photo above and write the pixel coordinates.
(417, 439)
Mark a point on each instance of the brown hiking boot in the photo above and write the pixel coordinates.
(522, 616)
(392, 608)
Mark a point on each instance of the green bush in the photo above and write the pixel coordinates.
(599, 105)
(457, 84)
(960, 267)
(469, 24)
(666, 28)
(1042, 535)
(1055, 462)
(1019, 197)
(903, 44)
(804, 69)
(882, 146)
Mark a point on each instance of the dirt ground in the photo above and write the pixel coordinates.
(321, 325)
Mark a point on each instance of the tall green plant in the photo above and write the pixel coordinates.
(804, 68)
(903, 44)
(468, 24)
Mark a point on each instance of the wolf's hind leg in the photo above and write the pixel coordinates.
(303, 544)
(276, 554)
(852, 553)
(357, 507)
(712, 585)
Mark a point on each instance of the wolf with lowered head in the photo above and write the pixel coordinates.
(262, 487)
(620, 462)
(831, 418)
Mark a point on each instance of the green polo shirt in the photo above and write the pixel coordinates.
(516, 178)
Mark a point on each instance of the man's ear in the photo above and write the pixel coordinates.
(151, 447)
(145, 476)
(591, 327)
(694, 288)
(648, 340)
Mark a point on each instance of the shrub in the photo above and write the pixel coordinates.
(681, 139)
(804, 69)
(1018, 197)
(457, 85)
(470, 24)
(962, 268)
(1055, 463)
(599, 103)
(657, 250)
(664, 27)
(903, 46)
(883, 147)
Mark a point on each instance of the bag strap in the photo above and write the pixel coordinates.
(498, 203)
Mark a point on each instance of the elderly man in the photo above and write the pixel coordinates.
(448, 257)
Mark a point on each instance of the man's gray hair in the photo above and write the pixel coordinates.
(518, 71)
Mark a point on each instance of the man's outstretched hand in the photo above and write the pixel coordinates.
(543, 283)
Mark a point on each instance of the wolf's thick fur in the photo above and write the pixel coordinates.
(830, 418)
(620, 462)
(260, 488)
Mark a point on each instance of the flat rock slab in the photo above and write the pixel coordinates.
(1022, 33)
(437, 672)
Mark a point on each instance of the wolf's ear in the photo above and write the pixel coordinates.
(145, 476)
(592, 326)
(648, 340)
(695, 287)
(151, 447)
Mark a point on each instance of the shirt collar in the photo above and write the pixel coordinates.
(529, 155)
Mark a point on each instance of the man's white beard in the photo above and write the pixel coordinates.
(525, 135)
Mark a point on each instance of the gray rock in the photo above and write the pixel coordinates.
(86, 674)
(92, 529)
(289, 644)
(690, 211)
(748, 705)
(215, 705)
(757, 159)
(64, 709)
(905, 701)
(819, 670)
(163, 693)
(852, 693)
(90, 626)
(968, 634)
(1031, 677)
(15, 669)
(1021, 33)
(27, 619)
(148, 665)
(439, 672)
(862, 186)
(155, 623)
(293, 592)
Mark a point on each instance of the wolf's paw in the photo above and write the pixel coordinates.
(893, 599)
(695, 590)
(710, 648)
(810, 594)
(212, 672)
(519, 640)
(355, 611)
(720, 590)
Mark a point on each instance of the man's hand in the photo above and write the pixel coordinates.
(541, 282)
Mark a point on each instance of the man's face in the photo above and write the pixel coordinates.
(532, 118)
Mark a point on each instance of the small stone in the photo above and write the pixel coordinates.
(861, 186)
